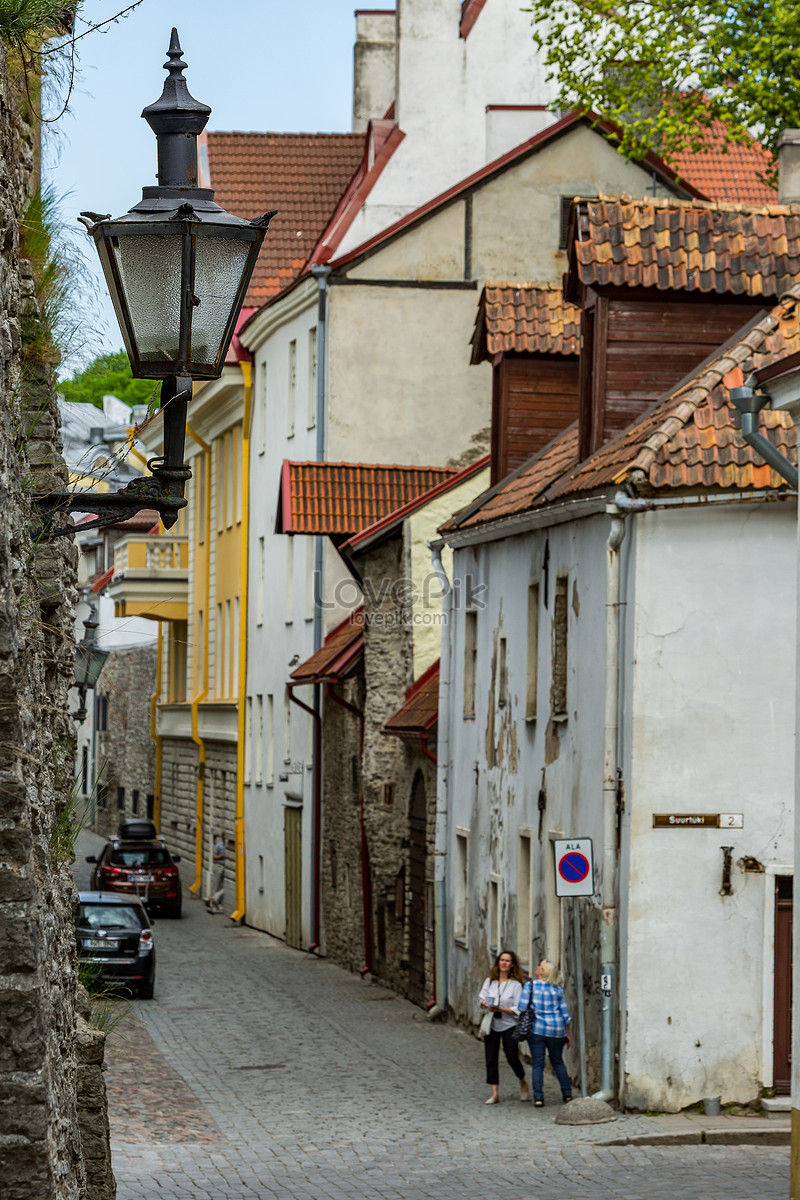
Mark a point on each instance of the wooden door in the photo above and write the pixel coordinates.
(293, 874)
(782, 1044)
(418, 861)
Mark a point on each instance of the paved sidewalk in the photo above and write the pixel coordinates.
(260, 1072)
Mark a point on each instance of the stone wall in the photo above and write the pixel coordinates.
(39, 1128)
(126, 751)
(380, 776)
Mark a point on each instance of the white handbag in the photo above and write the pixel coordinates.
(486, 1024)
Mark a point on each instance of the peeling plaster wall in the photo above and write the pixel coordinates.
(502, 764)
(712, 695)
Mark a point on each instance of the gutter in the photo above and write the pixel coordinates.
(200, 695)
(241, 687)
(366, 878)
(442, 793)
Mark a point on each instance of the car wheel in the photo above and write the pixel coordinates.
(146, 990)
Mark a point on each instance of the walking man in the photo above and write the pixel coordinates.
(214, 903)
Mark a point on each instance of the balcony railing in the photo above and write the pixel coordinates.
(151, 577)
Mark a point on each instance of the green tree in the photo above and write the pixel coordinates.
(110, 374)
(666, 70)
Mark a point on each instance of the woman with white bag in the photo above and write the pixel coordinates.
(499, 998)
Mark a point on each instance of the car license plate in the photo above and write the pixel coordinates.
(99, 944)
(142, 878)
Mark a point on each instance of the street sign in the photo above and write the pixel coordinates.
(574, 870)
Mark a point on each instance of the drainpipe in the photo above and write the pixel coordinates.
(608, 928)
(442, 790)
(241, 686)
(317, 811)
(750, 404)
(202, 691)
(366, 882)
(321, 274)
(426, 750)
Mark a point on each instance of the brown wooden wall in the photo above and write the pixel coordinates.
(534, 398)
(640, 346)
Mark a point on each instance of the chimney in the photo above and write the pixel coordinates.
(374, 67)
(789, 166)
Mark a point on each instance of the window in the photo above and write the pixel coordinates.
(200, 507)
(312, 378)
(558, 686)
(292, 391)
(237, 473)
(121, 799)
(261, 438)
(219, 446)
(151, 805)
(260, 582)
(84, 769)
(200, 650)
(287, 729)
(102, 795)
(270, 742)
(219, 642)
(230, 473)
(493, 916)
(461, 882)
(259, 732)
(309, 599)
(502, 690)
(470, 657)
(228, 650)
(532, 677)
(178, 641)
(248, 737)
(524, 899)
(135, 802)
(389, 792)
(102, 713)
(289, 617)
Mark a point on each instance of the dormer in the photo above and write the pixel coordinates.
(661, 285)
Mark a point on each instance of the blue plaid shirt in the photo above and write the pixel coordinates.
(550, 1016)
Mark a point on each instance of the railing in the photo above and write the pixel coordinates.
(143, 555)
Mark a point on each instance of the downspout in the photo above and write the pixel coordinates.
(608, 928)
(317, 810)
(366, 881)
(321, 274)
(200, 695)
(750, 404)
(247, 376)
(442, 790)
(426, 750)
(154, 699)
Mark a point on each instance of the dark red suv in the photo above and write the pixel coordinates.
(141, 867)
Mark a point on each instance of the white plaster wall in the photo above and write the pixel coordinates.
(712, 700)
(273, 643)
(444, 83)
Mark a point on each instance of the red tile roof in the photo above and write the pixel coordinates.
(338, 654)
(685, 245)
(525, 318)
(420, 712)
(382, 528)
(470, 11)
(734, 172)
(302, 175)
(344, 498)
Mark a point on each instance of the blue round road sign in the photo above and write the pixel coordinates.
(573, 867)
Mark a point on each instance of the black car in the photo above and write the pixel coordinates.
(141, 867)
(115, 938)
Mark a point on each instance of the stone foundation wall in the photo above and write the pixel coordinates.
(179, 772)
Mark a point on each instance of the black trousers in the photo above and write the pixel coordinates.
(491, 1045)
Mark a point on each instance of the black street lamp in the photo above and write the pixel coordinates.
(89, 662)
(177, 267)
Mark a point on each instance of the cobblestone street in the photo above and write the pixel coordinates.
(259, 1072)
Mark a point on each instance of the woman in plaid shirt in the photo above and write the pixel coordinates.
(550, 1031)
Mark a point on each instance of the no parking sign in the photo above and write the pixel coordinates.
(574, 872)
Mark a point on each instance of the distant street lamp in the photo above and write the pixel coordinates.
(177, 267)
(89, 662)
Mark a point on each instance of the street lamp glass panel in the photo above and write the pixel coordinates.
(150, 272)
(219, 266)
(89, 662)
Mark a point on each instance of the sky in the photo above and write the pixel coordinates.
(278, 65)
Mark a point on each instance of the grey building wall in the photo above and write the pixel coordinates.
(126, 751)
